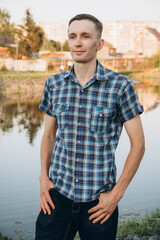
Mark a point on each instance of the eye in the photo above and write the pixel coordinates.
(86, 36)
(71, 37)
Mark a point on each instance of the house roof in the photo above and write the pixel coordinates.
(107, 44)
(6, 40)
(154, 32)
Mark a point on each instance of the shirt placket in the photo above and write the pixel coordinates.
(78, 181)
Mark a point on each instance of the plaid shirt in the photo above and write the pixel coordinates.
(90, 121)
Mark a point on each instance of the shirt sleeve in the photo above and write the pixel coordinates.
(129, 104)
(46, 103)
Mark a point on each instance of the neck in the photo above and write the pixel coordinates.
(84, 71)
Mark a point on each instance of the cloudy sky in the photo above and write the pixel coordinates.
(59, 10)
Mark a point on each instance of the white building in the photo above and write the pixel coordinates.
(56, 31)
(121, 34)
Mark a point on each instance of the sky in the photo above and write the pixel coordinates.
(63, 10)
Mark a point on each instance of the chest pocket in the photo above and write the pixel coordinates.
(101, 119)
(61, 111)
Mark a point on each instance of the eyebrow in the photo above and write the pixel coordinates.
(83, 33)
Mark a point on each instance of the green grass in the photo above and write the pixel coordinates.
(147, 226)
(129, 74)
(20, 75)
(4, 238)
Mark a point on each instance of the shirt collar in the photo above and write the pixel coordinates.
(101, 74)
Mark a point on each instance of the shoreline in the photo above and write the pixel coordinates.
(23, 86)
(15, 90)
(135, 227)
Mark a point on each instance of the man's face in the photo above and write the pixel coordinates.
(83, 41)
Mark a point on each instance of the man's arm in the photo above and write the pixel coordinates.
(47, 144)
(108, 201)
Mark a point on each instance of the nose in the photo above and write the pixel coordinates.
(78, 42)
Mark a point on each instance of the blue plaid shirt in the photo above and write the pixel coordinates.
(90, 121)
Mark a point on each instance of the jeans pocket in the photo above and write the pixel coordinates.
(51, 190)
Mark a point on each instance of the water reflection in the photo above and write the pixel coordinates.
(148, 95)
(26, 115)
(21, 122)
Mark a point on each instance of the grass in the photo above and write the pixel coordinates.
(4, 238)
(151, 76)
(147, 226)
(20, 75)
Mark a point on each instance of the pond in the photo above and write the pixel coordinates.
(21, 130)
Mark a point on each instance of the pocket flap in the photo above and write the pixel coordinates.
(101, 111)
(58, 108)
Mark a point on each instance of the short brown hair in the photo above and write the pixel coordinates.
(83, 16)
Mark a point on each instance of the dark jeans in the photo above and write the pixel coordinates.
(69, 217)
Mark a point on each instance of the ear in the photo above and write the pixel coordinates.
(100, 44)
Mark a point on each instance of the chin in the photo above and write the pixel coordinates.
(79, 59)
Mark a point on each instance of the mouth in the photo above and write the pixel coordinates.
(78, 52)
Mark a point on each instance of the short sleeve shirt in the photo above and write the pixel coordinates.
(90, 120)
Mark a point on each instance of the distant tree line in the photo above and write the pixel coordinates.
(25, 39)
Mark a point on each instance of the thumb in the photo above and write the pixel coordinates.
(99, 197)
(51, 185)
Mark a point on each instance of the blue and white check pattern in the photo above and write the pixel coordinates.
(90, 121)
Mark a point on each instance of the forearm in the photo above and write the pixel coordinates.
(131, 165)
(47, 145)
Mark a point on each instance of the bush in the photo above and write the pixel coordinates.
(4, 238)
(147, 226)
(50, 66)
(4, 68)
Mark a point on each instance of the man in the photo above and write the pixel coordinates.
(88, 105)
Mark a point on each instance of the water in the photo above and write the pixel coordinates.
(21, 130)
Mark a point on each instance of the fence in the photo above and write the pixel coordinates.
(118, 65)
(24, 65)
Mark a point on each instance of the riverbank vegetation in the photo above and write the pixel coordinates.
(16, 75)
(151, 76)
(147, 226)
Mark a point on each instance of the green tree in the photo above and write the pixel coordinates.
(65, 46)
(6, 28)
(51, 45)
(31, 36)
(58, 46)
(155, 58)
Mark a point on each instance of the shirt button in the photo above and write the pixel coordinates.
(80, 106)
(100, 115)
(78, 141)
(82, 90)
(79, 124)
(77, 160)
(76, 180)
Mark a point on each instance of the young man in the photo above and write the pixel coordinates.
(88, 105)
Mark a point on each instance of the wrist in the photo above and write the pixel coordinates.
(117, 193)
(43, 177)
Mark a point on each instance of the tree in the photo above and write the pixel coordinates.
(155, 58)
(6, 28)
(58, 46)
(65, 46)
(31, 36)
(51, 45)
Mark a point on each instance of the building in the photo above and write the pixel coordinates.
(147, 42)
(121, 34)
(56, 31)
(107, 50)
